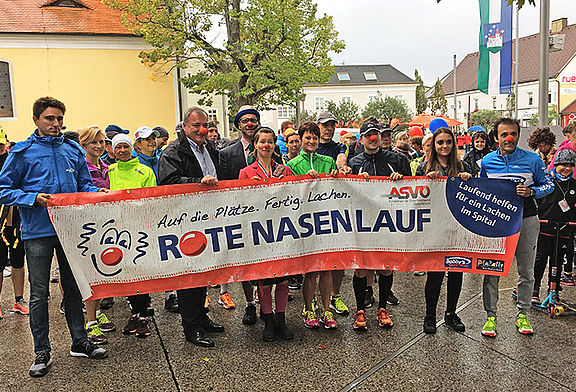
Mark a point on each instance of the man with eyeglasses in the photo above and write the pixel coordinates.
(192, 158)
(44, 164)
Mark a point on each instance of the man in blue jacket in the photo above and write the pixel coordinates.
(528, 170)
(44, 164)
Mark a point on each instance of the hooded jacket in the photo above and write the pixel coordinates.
(474, 156)
(565, 145)
(383, 163)
(42, 164)
(130, 175)
(549, 209)
(305, 162)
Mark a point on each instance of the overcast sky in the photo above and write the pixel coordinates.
(419, 34)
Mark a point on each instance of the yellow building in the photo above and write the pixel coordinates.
(78, 52)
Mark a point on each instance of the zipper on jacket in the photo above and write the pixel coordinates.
(56, 168)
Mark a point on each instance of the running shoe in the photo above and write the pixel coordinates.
(453, 321)
(567, 279)
(535, 296)
(62, 307)
(142, 329)
(489, 328)
(384, 319)
(41, 364)
(171, 303)
(294, 284)
(523, 325)
(106, 303)
(226, 301)
(310, 320)
(207, 302)
(369, 299)
(21, 307)
(95, 333)
(132, 325)
(429, 325)
(104, 323)
(87, 349)
(55, 276)
(360, 321)
(392, 300)
(7, 272)
(338, 305)
(419, 273)
(327, 318)
(314, 306)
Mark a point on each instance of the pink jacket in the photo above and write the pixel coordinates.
(565, 145)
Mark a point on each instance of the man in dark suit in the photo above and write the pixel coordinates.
(192, 159)
(233, 159)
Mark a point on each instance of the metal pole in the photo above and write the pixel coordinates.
(544, 62)
(455, 107)
(516, 66)
(297, 125)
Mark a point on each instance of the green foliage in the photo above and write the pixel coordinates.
(437, 100)
(345, 112)
(511, 103)
(270, 48)
(305, 116)
(421, 100)
(553, 117)
(386, 109)
(485, 118)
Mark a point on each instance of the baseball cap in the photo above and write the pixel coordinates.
(324, 117)
(144, 133)
(368, 127)
(162, 132)
(116, 129)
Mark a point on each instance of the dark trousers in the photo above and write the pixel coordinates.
(192, 310)
(544, 253)
(432, 291)
(139, 304)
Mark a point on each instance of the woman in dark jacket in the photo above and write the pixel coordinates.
(479, 150)
(443, 161)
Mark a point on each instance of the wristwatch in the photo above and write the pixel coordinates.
(532, 192)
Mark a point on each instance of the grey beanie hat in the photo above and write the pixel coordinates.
(565, 157)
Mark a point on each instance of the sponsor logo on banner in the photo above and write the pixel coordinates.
(457, 262)
(490, 265)
(414, 192)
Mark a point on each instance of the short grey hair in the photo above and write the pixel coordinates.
(194, 109)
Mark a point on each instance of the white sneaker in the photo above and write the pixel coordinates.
(7, 272)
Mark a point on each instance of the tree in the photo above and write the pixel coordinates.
(271, 48)
(437, 100)
(345, 112)
(421, 100)
(553, 116)
(305, 116)
(511, 104)
(485, 118)
(386, 109)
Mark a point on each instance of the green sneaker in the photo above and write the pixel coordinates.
(104, 323)
(95, 335)
(337, 304)
(524, 325)
(314, 306)
(489, 328)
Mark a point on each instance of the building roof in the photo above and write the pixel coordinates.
(528, 65)
(60, 17)
(367, 75)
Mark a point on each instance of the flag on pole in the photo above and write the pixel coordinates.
(495, 64)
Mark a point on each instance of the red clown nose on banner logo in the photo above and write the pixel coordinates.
(373, 138)
(193, 243)
(111, 256)
(509, 139)
(203, 131)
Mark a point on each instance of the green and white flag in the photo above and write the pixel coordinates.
(495, 64)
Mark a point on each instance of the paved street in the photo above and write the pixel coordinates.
(400, 359)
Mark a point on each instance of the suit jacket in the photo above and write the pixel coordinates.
(178, 164)
(232, 160)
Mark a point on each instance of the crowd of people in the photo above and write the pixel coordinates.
(97, 160)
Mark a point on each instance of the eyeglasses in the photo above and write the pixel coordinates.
(247, 120)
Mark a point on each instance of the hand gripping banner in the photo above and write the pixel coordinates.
(179, 236)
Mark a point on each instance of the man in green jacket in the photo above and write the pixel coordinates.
(313, 164)
(129, 173)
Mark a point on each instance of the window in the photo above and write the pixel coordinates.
(475, 103)
(549, 97)
(343, 76)
(65, 3)
(6, 91)
(319, 104)
(530, 99)
(346, 99)
(370, 76)
(286, 111)
(400, 97)
(459, 105)
(212, 114)
(372, 98)
(493, 102)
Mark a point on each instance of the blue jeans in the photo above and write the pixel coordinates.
(39, 254)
